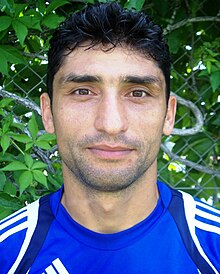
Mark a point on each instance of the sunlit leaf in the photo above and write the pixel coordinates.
(40, 177)
(20, 30)
(33, 127)
(31, 22)
(38, 165)
(52, 21)
(23, 138)
(47, 137)
(10, 189)
(5, 142)
(43, 144)
(28, 160)
(25, 180)
(13, 166)
(9, 54)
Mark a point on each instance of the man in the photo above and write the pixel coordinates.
(108, 103)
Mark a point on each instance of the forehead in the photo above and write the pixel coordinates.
(109, 64)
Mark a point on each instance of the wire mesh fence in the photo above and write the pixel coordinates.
(191, 161)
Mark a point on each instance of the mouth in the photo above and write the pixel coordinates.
(110, 152)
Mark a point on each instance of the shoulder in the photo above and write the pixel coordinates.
(16, 230)
(199, 226)
(23, 232)
(204, 225)
(18, 221)
(202, 215)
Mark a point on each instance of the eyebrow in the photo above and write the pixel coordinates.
(79, 78)
(127, 79)
(149, 79)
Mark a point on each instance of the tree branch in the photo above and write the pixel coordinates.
(23, 101)
(189, 163)
(197, 113)
(34, 55)
(184, 22)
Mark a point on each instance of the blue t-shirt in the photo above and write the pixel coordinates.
(181, 235)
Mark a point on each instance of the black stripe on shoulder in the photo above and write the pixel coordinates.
(45, 218)
(176, 208)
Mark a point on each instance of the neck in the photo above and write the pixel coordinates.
(110, 212)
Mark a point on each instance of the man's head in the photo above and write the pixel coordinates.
(108, 24)
(109, 72)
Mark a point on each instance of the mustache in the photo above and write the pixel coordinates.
(120, 139)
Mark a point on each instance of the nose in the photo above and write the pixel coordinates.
(111, 116)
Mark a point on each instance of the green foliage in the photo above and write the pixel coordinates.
(23, 175)
(29, 165)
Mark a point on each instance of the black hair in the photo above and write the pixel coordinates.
(108, 24)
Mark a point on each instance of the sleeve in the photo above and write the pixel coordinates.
(204, 225)
(16, 233)
(207, 230)
(13, 232)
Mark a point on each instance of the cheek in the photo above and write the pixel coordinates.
(148, 120)
(71, 121)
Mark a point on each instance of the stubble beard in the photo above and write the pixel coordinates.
(109, 177)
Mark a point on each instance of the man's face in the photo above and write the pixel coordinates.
(109, 113)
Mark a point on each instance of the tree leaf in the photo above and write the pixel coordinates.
(10, 189)
(38, 165)
(5, 22)
(174, 41)
(23, 138)
(216, 122)
(56, 4)
(28, 160)
(215, 80)
(135, 4)
(9, 202)
(31, 22)
(7, 4)
(20, 30)
(19, 8)
(5, 102)
(43, 144)
(40, 178)
(5, 142)
(2, 180)
(29, 145)
(25, 180)
(52, 21)
(9, 54)
(47, 137)
(5, 212)
(3, 63)
(7, 157)
(14, 166)
(33, 127)
(40, 4)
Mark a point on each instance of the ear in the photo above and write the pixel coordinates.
(170, 116)
(46, 112)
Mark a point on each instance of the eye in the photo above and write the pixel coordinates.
(138, 93)
(82, 91)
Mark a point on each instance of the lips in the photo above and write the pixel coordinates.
(110, 152)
